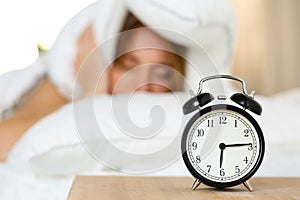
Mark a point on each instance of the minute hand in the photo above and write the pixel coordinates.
(237, 145)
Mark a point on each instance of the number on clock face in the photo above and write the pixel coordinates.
(222, 145)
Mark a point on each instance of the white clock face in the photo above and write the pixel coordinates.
(222, 146)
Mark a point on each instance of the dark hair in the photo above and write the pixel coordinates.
(131, 22)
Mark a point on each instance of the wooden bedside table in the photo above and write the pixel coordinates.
(125, 187)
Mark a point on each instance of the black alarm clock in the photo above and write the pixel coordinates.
(222, 144)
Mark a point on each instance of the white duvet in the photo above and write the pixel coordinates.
(45, 161)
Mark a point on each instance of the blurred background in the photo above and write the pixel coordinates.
(267, 49)
(27, 24)
(268, 46)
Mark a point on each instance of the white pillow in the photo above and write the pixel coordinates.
(53, 146)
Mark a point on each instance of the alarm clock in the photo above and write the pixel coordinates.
(222, 144)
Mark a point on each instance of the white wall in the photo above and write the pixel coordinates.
(267, 54)
(24, 23)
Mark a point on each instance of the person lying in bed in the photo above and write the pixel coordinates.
(45, 98)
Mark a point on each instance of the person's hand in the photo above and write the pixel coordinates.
(90, 64)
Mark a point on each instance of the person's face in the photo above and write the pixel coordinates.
(148, 69)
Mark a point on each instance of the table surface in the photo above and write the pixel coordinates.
(128, 187)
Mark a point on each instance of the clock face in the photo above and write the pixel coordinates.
(222, 145)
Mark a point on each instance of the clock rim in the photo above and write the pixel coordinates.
(203, 179)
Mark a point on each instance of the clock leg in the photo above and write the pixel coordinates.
(248, 186)
(196, 184)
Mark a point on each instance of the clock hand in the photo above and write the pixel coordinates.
(221, 158)
(222, 147)
(237, 145)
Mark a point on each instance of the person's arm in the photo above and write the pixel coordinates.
(11, 130)
(45, 99)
